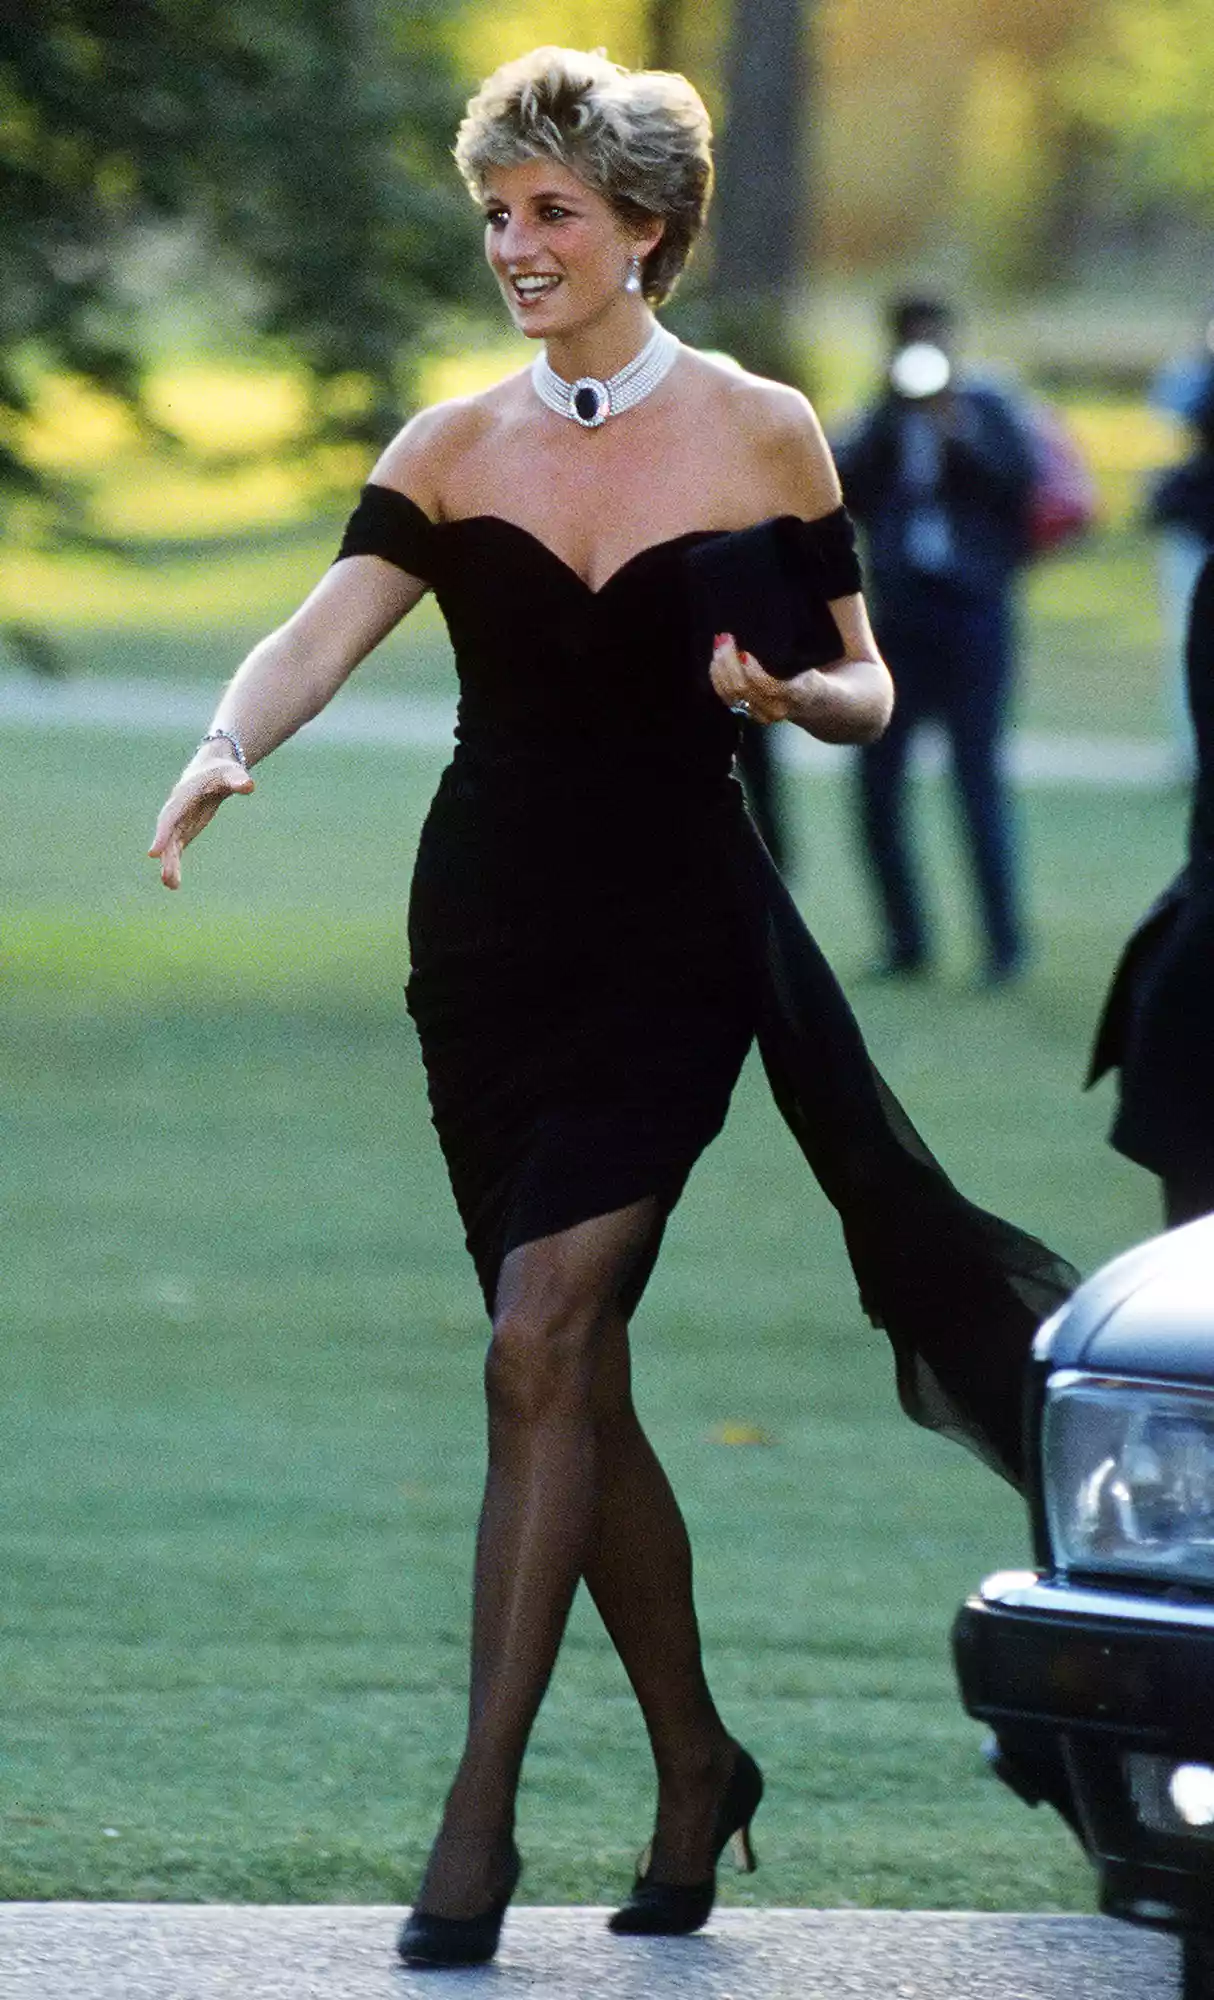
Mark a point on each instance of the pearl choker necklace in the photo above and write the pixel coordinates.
(588, 401)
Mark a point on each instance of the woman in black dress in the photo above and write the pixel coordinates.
(597, 934)
(1155, 1028)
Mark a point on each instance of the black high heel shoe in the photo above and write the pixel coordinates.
(427, 1940)
(672, 1909)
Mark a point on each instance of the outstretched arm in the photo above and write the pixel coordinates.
(285, 681)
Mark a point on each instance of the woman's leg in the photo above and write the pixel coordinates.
(638, 1571)
(976, 721)
(558, 1308)
(881, 781)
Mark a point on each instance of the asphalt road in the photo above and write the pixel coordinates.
(159, 1951)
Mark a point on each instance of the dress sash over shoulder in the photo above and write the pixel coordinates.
(388, 524)
(771, 585)
(827, 549)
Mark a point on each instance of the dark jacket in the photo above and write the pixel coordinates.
(1182, 496)
(1155, 1026)
(986, 477)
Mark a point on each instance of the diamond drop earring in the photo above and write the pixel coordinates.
(632, 280)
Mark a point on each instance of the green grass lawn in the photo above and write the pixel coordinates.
(241, 1440)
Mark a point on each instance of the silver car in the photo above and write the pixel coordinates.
(1095, 1670)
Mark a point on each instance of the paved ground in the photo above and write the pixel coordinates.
(404, 722)
(132, 1951)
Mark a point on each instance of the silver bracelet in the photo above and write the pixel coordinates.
(226, 736)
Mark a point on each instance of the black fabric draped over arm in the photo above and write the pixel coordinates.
(827, 549)
(771, 586)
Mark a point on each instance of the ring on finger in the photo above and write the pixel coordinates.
(741, 707)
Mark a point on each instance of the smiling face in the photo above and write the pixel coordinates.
(558, 250)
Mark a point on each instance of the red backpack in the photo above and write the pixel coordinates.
(1062, 503)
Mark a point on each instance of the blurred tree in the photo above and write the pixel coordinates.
(1006, 167)
(662, 23)
(760, 250)
(760, 233)
(941, 133)
(1144, 78)
(301, 143)
(489, 32)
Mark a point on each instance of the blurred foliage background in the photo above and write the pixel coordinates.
(234, 251)
(269, 183)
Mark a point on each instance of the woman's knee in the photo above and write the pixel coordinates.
(542, 1359)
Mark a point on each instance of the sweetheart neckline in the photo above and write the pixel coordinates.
(537, 541)
(591, 590)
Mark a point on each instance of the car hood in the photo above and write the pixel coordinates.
(1149, 1313)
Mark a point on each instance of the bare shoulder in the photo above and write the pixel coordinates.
(776, 429)
(426, 454)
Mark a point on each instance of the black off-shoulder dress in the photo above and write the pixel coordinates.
(597, 935)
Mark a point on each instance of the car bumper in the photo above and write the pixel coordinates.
(1101, 1696)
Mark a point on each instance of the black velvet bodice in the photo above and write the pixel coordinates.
(553, 672)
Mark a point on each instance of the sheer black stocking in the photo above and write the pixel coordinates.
(639, 1572)
(574, 1489)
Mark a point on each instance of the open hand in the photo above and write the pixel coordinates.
(191, 805)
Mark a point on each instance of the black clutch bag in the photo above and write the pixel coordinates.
(764, 584)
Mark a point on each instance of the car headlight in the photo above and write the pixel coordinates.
(1128, 1476)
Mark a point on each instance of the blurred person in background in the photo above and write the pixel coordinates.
(597, 935)
(1180, 504)
(939, 471)
(1155, 1027)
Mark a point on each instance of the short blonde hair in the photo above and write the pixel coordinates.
(640, 138)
